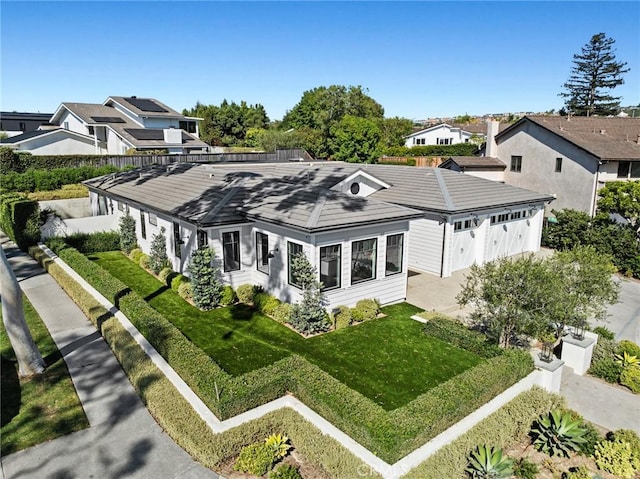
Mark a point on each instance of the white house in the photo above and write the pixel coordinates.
(446, 134)
(115, 127)
(362, 226)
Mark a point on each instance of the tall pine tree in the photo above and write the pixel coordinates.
(594, 74)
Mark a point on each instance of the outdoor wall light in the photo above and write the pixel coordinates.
(272, 253)
(578, 330)
(547, 352)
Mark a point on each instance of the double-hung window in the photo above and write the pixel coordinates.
(231, 250)
(363, 260)
(177, 240)
(293, 250)
(516, 164)
(393, 260)
(330, 266)
(203, 239)
(262, 252)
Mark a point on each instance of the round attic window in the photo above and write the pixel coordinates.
(354, 188)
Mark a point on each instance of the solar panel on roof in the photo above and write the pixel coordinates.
(145, 104)
(144, 134)
(107, 119)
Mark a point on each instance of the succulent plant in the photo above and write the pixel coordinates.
(626, 360)
(558, 433)
(487, 462)
(279, 443)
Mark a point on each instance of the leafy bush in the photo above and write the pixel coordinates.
(365, 310)
(178, 280)
(135, 255)
(128, 239)
(627, 435)
(525, 469)
(144, 261)
(164, 274)
(557, 433)
(607, 369)
(626, 360)
(630, 377)
(453, 332)
(279, 444)
(246, 293)
(228, 296)
(185, 292)
(489, 463)
(282, 313)
(459, 149)
(617, 458)
(20, 219)
(266, 303)
(604, 332)
(255, 459)
(629, 347)
(205, 285)
(285, 471)
(158, 258)
(88, 243)
(39, 179)
(577, 473)
(342, 318)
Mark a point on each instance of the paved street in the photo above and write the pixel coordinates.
(624, 317)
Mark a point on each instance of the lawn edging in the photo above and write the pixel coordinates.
(394, 422)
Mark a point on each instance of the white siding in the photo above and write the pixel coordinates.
(74, 123)
(59, 143)
(487, 175)
(432, 135)
(425, 245)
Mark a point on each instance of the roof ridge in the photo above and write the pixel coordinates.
(448, 201)
(225, 200)
(317, 210)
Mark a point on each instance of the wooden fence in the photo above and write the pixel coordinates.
(421, 161)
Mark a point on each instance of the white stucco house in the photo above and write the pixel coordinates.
(446, 134)
(362, 226)
(569, 158)
(114, 127)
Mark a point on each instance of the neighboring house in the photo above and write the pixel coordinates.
(115, 127)
(14, 123)
(480, 166)
(362, 226)
(446, 134)
(569, 158)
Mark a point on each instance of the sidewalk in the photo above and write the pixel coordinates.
(123, 440)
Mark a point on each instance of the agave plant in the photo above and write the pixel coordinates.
(558, 433)
(488, 463)
(279, 444)
(627, 360)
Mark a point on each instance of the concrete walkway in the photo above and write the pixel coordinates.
(123, 440)
(601, 403)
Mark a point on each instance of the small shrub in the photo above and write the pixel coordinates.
(279, 444)
(255, 459)
(285, 471)
(228, 296)
(342, 317)
(627, 435)
(128, 240)
(558, 433)
(184, 291)
(606, 369)
(591, 436)
(205, 285)
(630, 377)
(365, 310)
(282, 314)
(577, 473)
(144, 261)
(525, 469)
(164, 274)
(629, 347)
(135, 254)
(626, 360)
(158, 258)
(604, 332)
(605, 349)
(616, 457)
(177, 281)
(489, 463)
(246, 293)
(266, 303)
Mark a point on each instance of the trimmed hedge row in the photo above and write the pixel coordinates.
(391, 435)
(87, 243)
(509, 424)
(181, 422)
(20, 219)
(51, 179)
(451, 331)
(459, 149)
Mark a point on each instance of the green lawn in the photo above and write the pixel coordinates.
(40, 408)
(388, 360)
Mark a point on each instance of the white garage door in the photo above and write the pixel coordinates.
(463, 253)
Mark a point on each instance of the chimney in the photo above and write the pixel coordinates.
(491, 149)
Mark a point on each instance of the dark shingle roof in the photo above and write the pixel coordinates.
(606, 138)
(27, 136)
(474, 162)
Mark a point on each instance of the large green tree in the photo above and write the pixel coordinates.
(227, 124)
(394, 131)
(323, 108)
(594, 73)
(623, 198)
(356, 140)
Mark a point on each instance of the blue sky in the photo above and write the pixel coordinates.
(417, 59)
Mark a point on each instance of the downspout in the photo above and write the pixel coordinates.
(444, 242)
(595, 191)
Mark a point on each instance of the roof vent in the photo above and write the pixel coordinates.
(602, 132)
(133, 96)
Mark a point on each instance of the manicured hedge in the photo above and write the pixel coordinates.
(391, 435)
(453, 332)
(20, 219)
(94, 242)
(181, 422)
(459, 149)
(50, 179)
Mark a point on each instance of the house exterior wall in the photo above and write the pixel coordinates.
(431, 136)
(497, 175)
(574, 186)
(115, 145)
(160, 122)
(58, 144)
(75, 124)
(425, 245)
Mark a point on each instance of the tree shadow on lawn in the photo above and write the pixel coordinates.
(11, 391)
